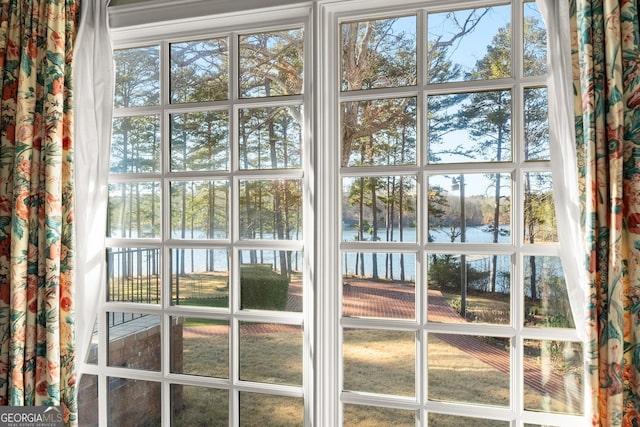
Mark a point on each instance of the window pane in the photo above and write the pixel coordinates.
(539, 209)
(134, 275)
(88, 401)
(486, 362)
(535, 41)
(379, 285)
(134, 341)
(198, 406)
(470, 127)
(379, 132)
(270, 410)
(200, 347)
(134, 402)
(553, 376)
(271, 353)
(200, 141)
(134, 210)
(137, 80)
(199, 277)
(536, 124)
(135, 145)
(271, 280)
(271, 209)
(469, 208)
(374, 416)
(380, 53)
(546, 299)
(472, 44)
(270, 138)
(378, 361)
(200, 209)
(271, 63)
(379, 208)
(480, 293)
(442, 420)
(199, 71)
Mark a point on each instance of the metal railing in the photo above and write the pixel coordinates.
(132, 276)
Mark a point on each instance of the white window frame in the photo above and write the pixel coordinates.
(229, 25)
(330, 15)
(322, 379)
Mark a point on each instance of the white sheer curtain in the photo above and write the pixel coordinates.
(563, 155)
(93, 111)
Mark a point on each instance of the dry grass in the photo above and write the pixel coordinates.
(266, 410)
(374, 361)
(371, 416)
(199, 286)
(203, 285)
(204, 354)
(483, 307)
(210, 407)
(274, 358)
(380, 361)
(442, 420)
(199, 406)
(455, 376)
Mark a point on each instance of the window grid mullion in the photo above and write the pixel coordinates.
(165, 232)
(518, 292)
(234, 230)
(421, 286)
(517, 249)
(514, 169)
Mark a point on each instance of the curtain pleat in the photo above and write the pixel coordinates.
(37, 350)
(606, 52)
(94, 109)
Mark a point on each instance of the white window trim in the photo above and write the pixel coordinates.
(233, 23)
(329, 15)
(135, 25)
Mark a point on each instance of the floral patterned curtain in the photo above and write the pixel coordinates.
(606, 63)
(36, 205)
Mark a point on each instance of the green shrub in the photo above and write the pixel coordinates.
(444, 272)
(262, 288)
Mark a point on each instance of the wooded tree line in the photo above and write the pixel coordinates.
(382, 132)
(269, 138)
(381, 53)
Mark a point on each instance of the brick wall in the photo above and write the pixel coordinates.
(132, 402)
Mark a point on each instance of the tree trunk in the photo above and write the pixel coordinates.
(183, 217)
(401, 206)
(361, 224)
(183, 231)
(279, 190)
(531, 229)
(374, 214)
(496, 213)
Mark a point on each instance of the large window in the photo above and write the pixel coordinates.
(369, 241)
(452, 293)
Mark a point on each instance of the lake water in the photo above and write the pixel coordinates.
(388, 264)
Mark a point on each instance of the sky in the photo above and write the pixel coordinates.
(467, 52)
(473, 46)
